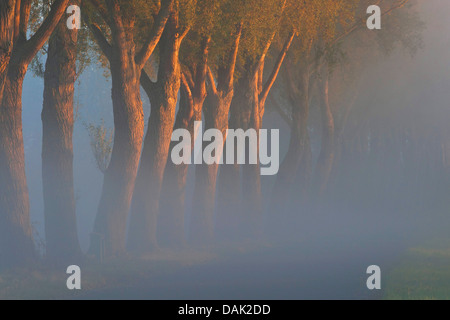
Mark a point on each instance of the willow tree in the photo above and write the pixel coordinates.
(163, 95)
(315, 57)
(127, 33)
(198, 48)
(319, 20)
(406, 26)
(16, 244)
(57, 147)
(216, 112)
(247, 109)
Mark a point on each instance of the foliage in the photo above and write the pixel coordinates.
(101, 144)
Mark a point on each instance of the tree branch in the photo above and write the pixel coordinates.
(188, 75)
(154, 35)
(269, 83)
(184, 33)
(231, 66)
(101, 40)
(37, 41)
(16, 21)
(188, 91)
(202, 70)
(212, 83)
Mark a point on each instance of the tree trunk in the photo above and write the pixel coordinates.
(163, 97)
(7, 8)
(57, 148)
(109, 236)
(192, 96)
(16, 245)
(171, 220)
(16, 52)
(202, 220)
(229, 193)
(251, 219)
(296, 162)
(120, 177)
(247, 113)
(326, 156)
(216, 110)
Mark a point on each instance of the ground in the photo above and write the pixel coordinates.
(333, 268)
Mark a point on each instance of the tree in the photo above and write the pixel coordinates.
(192, 96)
(117, 27)
(247, 110)
(16, 244)
(216, 112)
(57, 147)
(163, 98)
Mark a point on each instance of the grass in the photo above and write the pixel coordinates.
(41, 282)
(423, 273)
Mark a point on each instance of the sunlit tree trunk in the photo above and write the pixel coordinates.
(57, 148)
(15, 226)
(7, 9)
(216, 111)
(192, 96)
(249, 102)
(163, 97)
(119, 179)
(202, 220)
(109, 235)
(16, 244)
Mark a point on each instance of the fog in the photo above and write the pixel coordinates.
(372, 212)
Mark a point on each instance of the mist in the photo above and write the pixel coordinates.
(386, 192)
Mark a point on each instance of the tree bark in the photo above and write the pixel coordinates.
(171, 222)
(109, 232)
(163, 97)
(216, 111)
(7, 9)
(16, 243)
(192, 96)
(109, 235)
(15, 227)
(247, 111)
(57, 147)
